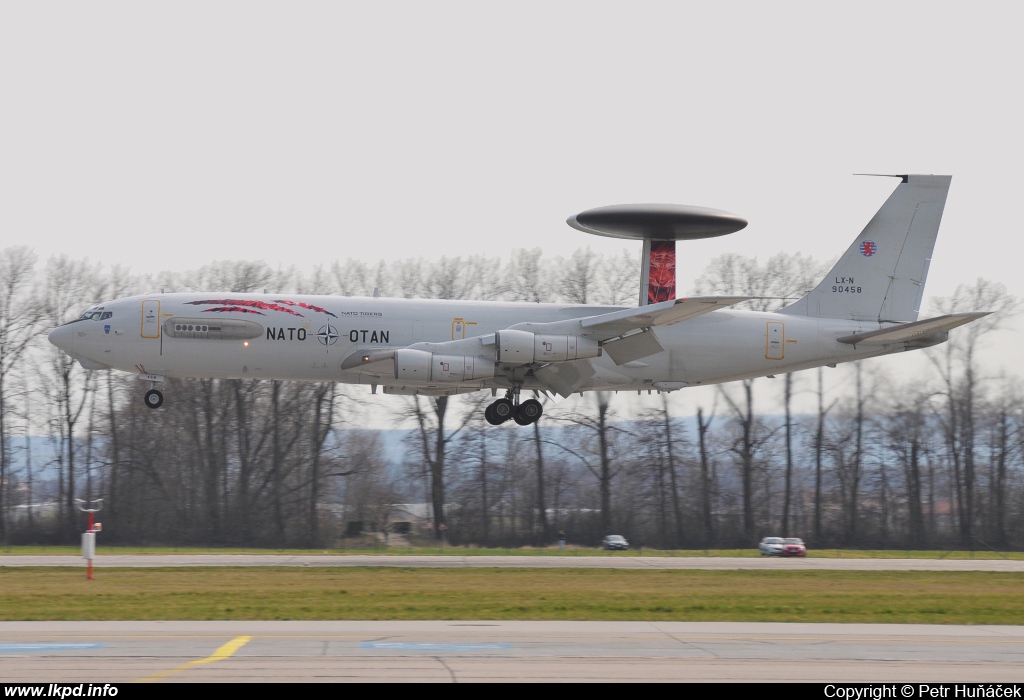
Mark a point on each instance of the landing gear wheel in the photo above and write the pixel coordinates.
(502, 410)
(491, 418)
(528, 412)
(154, 398)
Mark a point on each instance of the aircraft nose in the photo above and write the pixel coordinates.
(61, 337)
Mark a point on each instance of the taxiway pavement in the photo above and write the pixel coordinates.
(261, 651)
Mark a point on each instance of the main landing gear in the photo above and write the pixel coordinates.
(524, 413)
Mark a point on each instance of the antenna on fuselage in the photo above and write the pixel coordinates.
(659, 226)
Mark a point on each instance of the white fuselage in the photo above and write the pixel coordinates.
(306, 338)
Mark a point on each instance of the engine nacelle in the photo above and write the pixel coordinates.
(460, 368)
(564, 348)
(412, 365)
(523, 348)
(423, 366)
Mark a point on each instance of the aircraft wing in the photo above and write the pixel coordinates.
(908, 332)
(665, 313)
(625, 335)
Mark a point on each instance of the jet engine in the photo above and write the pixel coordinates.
(422, 366)
(523, 348)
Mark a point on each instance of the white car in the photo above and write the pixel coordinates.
(772, 546)
(615, 542)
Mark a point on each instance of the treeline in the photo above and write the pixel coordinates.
(931, 460)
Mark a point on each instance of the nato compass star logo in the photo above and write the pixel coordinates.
(327, 335)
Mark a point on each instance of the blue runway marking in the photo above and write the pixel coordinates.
(428, 646)
(30, 648)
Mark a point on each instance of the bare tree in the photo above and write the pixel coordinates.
(433, 438)
(788, 490)
(620, 280)
(957, 366)
(906, 437)
(706, 477)
(578, 276)
(599, 427)
(18, 323)
(526, 278)
(323, 420)
(819, 444)
(68, 285)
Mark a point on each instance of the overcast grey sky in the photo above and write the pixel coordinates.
(167, 135)
(163, 136)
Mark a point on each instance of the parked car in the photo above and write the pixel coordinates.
(772, 546)
(793, 547)
(617, 542)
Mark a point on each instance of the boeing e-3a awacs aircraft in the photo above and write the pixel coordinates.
(866, 306)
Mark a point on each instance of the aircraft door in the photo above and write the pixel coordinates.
(775, 344)
(151, 318)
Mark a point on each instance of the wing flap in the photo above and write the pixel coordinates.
(564, 378)
(633, 347)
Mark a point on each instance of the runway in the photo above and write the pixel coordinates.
(447, 652)
(533, 562)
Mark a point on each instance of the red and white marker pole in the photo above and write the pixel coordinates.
(89, 536)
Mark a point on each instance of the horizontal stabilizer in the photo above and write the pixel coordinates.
(918, 330)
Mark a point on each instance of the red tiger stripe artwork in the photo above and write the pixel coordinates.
(239, 309)
(318, 309)
(247, 303)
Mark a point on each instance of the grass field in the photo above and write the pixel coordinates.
(510, 594)
(572, 551)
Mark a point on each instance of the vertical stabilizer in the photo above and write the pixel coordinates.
(881, 276)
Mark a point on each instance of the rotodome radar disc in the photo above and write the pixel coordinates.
(660, 222)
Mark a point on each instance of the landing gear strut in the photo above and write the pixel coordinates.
(154, 398)
(524, 413)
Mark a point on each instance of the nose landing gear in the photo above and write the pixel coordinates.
(524, 413)
(154, 398)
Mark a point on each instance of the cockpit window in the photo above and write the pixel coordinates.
(92, 315)
(106, 315)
